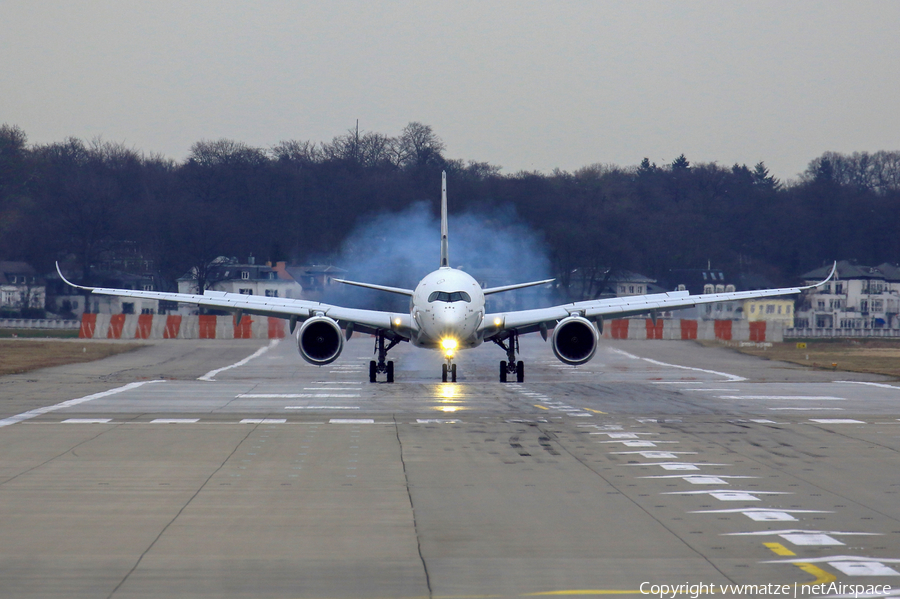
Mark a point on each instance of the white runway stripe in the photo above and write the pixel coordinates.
(209, 376)
(294, 395)
(72, 402)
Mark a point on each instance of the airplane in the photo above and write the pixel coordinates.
(447, 313)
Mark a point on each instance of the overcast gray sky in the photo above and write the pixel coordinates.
(524, 85)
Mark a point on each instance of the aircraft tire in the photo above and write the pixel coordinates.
(520, 371)
(373, 370)
(390, 371)
(443, 373)
(453, 373)
(503, 371)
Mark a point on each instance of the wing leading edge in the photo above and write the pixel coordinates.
(364, 321)
(526, 321)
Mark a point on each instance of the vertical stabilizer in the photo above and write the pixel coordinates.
(445, 259)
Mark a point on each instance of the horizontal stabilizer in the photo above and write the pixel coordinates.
(398, 290)
(491, 290)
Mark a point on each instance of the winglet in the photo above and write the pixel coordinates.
(445, 258)
(823, 281)
(828, 278)
(70, 283)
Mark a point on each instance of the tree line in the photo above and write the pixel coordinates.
(298, 200)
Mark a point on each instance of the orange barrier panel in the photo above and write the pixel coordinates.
(654, 331)
(144, 324)
(88, 325)
(758, 331)
(276, 328)
(242, 331)
(207, 328)
(619, 329)
(116, 322)
(688, 330)
(173, 326)
(723, 330)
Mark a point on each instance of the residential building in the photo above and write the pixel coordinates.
(68, 301)
(21, 288)
(249, 278)
(860, 301)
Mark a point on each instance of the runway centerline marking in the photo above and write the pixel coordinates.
(72, 402)
(321, 407)
(210, 376)
(882, 385)
(294, 395)
(799, 397)
(731, 377)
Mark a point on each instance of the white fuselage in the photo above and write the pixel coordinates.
(447, 304)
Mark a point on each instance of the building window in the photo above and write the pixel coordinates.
(127, 307)
(752, 308)
(708, 288)
(839, 288)
(245, 291)
(770, 309)
(271, 293)
(245, 275)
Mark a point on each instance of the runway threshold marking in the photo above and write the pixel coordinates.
(72, 402)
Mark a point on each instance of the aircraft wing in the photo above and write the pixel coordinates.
(364, 321)
(526, 321)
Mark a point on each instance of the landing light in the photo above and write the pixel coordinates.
(397, 322)
(449, 345)
(498, 322)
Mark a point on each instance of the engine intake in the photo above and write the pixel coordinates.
(574, 340)
(320, 340)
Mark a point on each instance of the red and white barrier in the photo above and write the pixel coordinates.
(682, 329)
(150, 326)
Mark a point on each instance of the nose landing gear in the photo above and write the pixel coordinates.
(510, 365)
(448, 368)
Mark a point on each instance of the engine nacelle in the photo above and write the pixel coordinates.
(574, 340)
(320, 340)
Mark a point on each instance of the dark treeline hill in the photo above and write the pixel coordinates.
(299, 200)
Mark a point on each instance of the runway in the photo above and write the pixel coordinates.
(234, 469)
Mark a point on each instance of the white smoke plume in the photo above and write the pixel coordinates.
(398, 249)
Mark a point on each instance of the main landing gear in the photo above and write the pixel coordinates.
(510, 365)
(382, 366)
(448, 368)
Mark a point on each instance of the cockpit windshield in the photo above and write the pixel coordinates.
(452, 296)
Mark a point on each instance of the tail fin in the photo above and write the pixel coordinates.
(445, 259)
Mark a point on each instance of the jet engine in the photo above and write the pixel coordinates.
(320, 340)
(574, 340)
